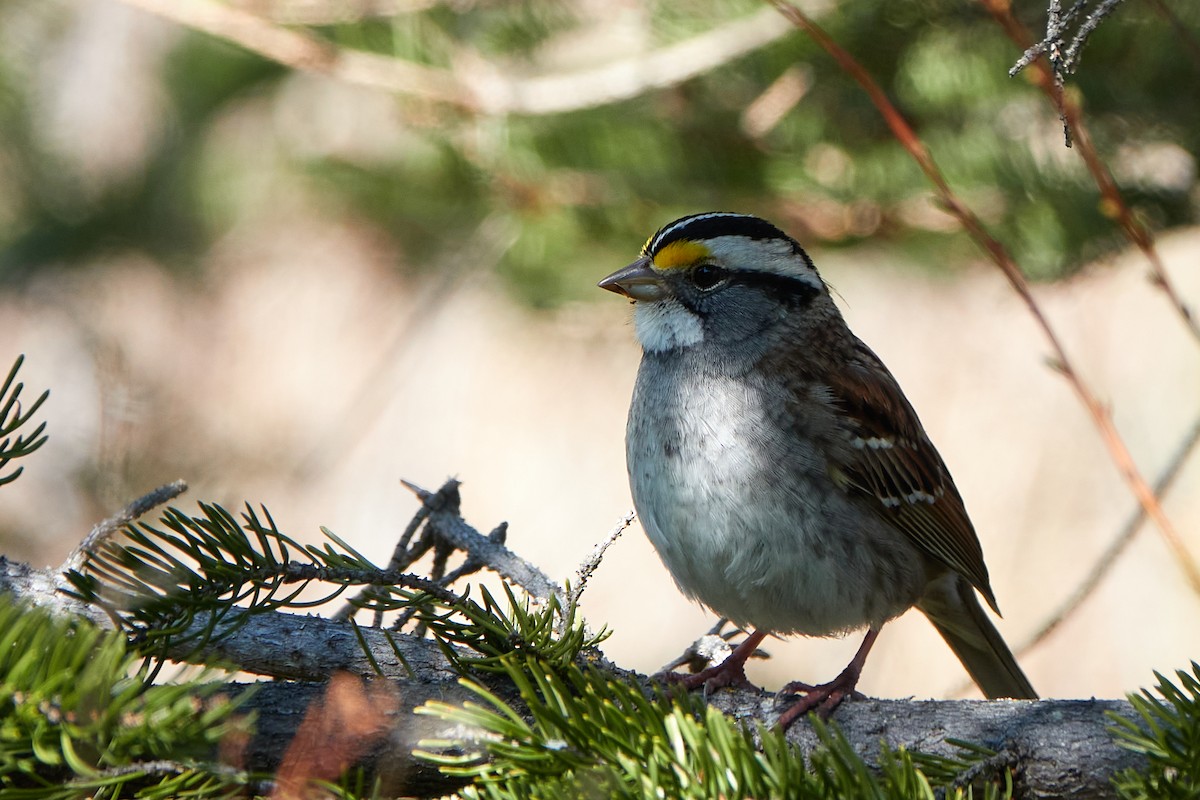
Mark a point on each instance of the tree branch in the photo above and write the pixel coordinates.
(444, 518)
(348, 695)
(1060, 748)
(475, 85)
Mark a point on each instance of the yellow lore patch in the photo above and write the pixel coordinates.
(677, 255)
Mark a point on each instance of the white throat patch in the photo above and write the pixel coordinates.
(666, 325)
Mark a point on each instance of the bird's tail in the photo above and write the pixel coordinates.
(951, 605)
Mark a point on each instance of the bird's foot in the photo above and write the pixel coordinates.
(730, 672)
(825, 698)
(822, 699)
(799, 687)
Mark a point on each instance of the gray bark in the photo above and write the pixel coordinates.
(1058, 748)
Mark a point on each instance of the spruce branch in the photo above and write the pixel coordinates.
(1167, 733)
(530, 664)
(126, 516)
(78, 719)
(157, 581)
(181, 587)
(12, 418)
(580, 732)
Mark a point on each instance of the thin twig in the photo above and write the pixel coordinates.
(353, 604)
(1106, 561)
(296, 572)
(1064, 58)
(1112, 200)
(437, 574)
(593, 560)
(476, 86)
(335, 12)
(470, 566)
(402, 556)
(711, 648)
(1118, 451)
(140, 506)
(1084, 32)
(449, 526)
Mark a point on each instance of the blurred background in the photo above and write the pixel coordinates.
(294, 287)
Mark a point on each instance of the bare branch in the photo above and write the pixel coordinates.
(593, 560)
(102, 530)
(1112, 198)
(638, 74)
(1117, 449)
(1064, 58)
(1062, 747)
(331, 12)
(307, 648)
(1105, 563)
(304, 51)
(449, 525)
(475, 85)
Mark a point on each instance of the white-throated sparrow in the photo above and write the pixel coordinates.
(777, 467)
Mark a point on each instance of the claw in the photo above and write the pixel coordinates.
(823, 699)
(730, 672)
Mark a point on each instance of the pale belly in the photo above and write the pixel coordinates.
(750, 525)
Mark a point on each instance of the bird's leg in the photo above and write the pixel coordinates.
(825, 698)
(730, 672)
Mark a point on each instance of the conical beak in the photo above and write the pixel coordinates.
(638, 281)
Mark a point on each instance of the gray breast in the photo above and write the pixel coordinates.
(738, 503)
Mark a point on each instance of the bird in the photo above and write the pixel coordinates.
(779, 470)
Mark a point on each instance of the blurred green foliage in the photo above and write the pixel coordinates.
(582, 190)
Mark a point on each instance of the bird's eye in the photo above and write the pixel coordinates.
(709, 276)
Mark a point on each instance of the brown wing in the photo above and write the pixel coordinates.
(894, 465)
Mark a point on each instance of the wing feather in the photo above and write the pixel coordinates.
(893, 465)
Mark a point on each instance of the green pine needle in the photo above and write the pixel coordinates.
(77, 720)
(585, 734)
(1168, 736)
(576, 730)
(158, 580)
(12, 418)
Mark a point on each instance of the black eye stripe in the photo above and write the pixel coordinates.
(793, 291)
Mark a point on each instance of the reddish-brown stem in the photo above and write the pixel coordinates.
(1112, 202)
(904, 133)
